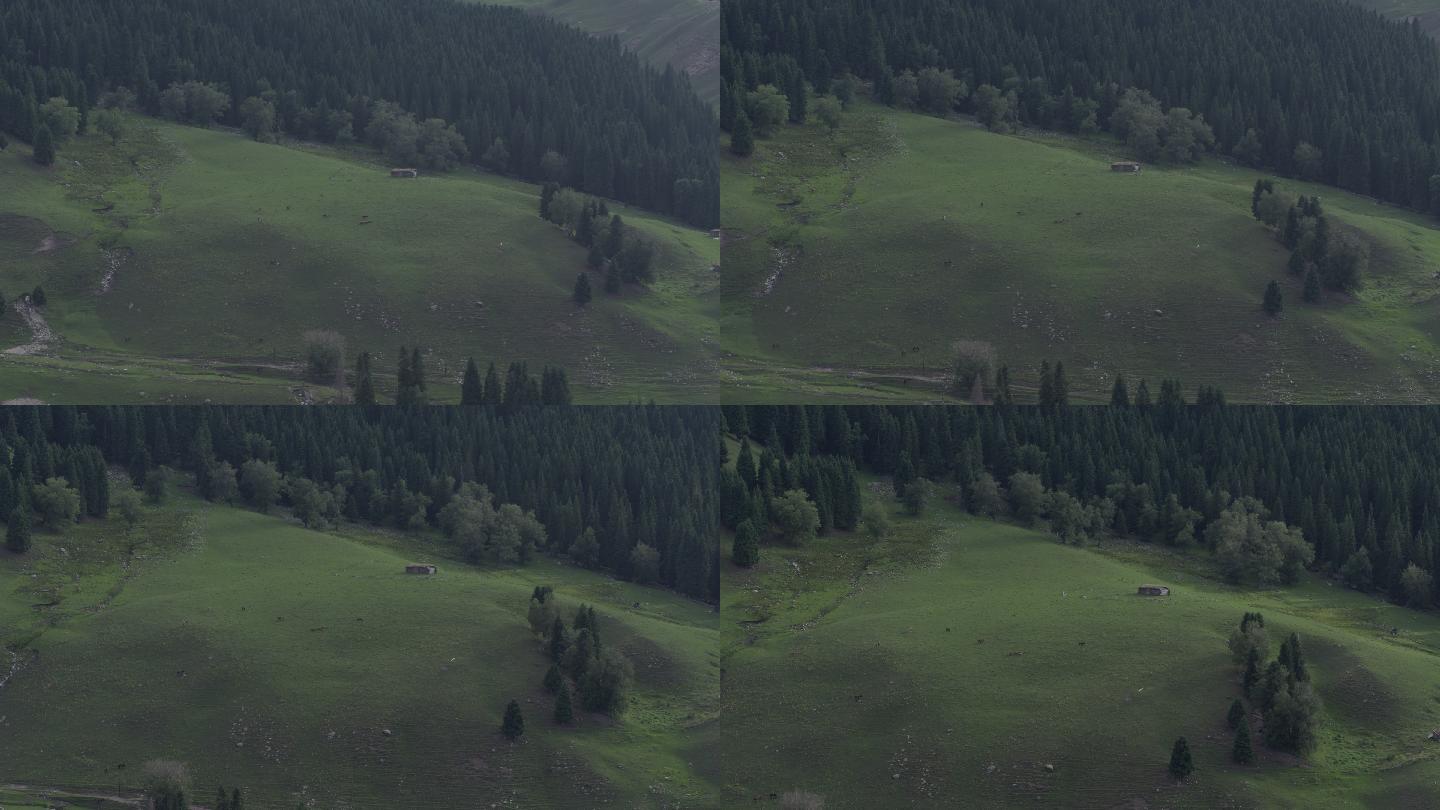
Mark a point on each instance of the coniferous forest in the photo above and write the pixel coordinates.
(1359, 484)
(529, 96)
(1321, 89)
(629, 490)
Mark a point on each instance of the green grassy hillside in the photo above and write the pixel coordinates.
(681, 33)
(853, 263)
(308, 666)
(201, 258)
(1426, 12)
(964, 658)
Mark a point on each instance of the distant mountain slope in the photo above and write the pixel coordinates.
(683, 33)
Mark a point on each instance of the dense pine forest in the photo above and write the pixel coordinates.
(433, 81)
(629, 490)
(1352, 492)
(1320, 89)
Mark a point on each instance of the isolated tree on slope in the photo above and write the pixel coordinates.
(514, 723)
(582, 292)
(742, 135)
(1242, 752)
(1274, 301)
(1181, 764)
(746, 550)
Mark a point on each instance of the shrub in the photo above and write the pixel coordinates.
(324, 353)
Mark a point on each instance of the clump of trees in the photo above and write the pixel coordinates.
(484, 531)
(167, 784)
(1322, 255)
(520, 389)
(598, 674)
(616, 250)
(1253, 550)
(787, 498)
(1174, 136)
(234, 800)
(324, 354)
(196, 103)
(1281, 692)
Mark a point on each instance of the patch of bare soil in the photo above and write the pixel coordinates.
(54, 242)
(23, 401)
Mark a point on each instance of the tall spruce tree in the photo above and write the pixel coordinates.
(472, 391)
(364, 381)
(44, 146)
(745, 551)
(1181, 762)
(514, 723)
(17, 532)
(564, 712)
(1274, 300)
(1242, 751)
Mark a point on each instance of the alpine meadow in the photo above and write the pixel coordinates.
(350, 608)
(266, 202)
(935, 199)
(1160, 606)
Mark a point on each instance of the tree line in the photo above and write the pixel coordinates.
(1268, 492)
(429, 82)
(1317, 89)
(628, 490)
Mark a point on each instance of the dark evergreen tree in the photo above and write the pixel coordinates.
(1120, 395)
(472, 392)
(1236, 713)
(1242, 752)
(364, 383)
(17, 533)
(1181, 763)
(44, 147)
(745, 551)
(554, 681)
(564, 712)
(1274, 301)
(742, 136)
(582, 289)
(494, 390)
(1312, 293)
(514, 723)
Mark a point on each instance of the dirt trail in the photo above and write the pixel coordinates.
(42, 337)
(62, 793)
